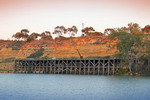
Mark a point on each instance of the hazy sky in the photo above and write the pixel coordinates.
(44, 15)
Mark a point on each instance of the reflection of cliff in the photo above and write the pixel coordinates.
(65, 48)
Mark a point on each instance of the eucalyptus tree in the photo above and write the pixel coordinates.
(146, 30)
(33, 37)
(72, 31)
(129, 43)
(88, 30)
(46, 35)
(59, 31)
(23, 34)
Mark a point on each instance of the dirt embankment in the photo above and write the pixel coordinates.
(60, 48)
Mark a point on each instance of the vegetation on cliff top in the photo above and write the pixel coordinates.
(131, 44)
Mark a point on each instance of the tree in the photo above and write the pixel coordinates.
(72, 31)
(21, 35)
(108, 31)
(17, 35)
(147, 47)
(33, 37)
(24, 33)
(88, 30)
(129, 43)
(146, 31)
(59, 31)
(46, 35)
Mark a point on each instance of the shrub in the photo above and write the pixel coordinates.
(8, 60)
(37, 54)
(15, 45)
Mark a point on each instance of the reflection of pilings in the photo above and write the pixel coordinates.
(65, 66)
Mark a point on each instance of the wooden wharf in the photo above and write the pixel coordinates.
(67, 66)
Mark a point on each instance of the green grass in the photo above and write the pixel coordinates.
(121, 72)
(8, 60)
(97, 57)
(37, 54)
(5, 70)
(15, 45)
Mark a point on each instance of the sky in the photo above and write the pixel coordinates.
(44, 15)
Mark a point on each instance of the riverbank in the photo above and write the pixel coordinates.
(6, 71)
(7, 67)
(120, 73)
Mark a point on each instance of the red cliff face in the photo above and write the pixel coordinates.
(61, 48)
(6, 51)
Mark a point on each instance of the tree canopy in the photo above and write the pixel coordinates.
(61, 31)
(46, 35)
(33, 37)
(129, 43)
(88, 30)
(23, 34)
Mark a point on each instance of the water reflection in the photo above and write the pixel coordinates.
(73, 87)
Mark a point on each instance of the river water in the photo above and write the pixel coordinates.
(73, 87)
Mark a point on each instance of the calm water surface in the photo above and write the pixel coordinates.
(73, 87)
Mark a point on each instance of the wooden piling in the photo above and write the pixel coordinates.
(98, 66)
(21, 66)
(103, 65)
(82, 66)
(93, 67)
(88, 67)
(113, 66)
(148, 61)
(71, 66)
(108, 66)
